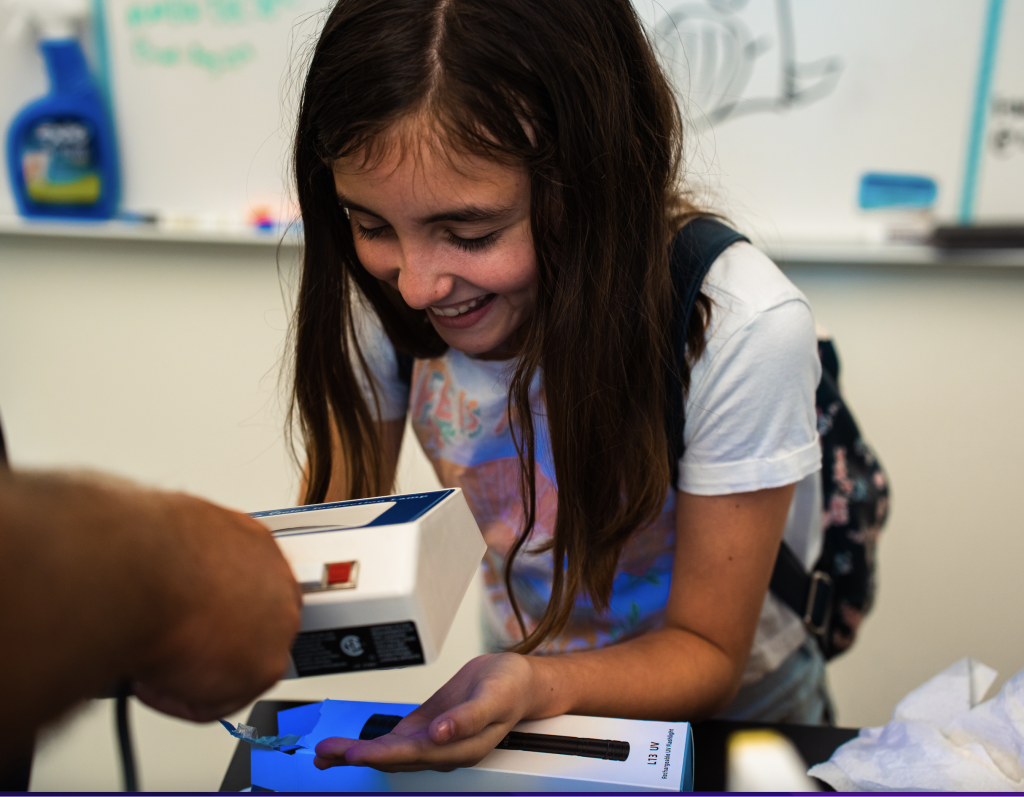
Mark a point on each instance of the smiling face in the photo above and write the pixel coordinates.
(452, 234)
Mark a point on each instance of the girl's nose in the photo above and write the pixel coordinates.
(420, 280)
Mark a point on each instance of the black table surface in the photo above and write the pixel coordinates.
(816, 744)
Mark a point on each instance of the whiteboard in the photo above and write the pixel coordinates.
(205, 92)
(204, 96)
(1002, 170)
(877, 85)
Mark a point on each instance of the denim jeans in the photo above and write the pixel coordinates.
(796, 691)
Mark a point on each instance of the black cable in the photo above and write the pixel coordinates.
(124, 736)
(3, 449)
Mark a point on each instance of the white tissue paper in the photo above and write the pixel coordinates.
(941, 738)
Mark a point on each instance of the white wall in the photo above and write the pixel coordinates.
(933, 370)
(159, 361)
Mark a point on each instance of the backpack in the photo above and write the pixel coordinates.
(838, 592)
(855, 507)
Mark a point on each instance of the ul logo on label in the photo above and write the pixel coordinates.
(351, 645)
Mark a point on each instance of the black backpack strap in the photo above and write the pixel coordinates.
(809, 596)
(694, 250)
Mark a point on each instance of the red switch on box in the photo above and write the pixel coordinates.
(340, 573)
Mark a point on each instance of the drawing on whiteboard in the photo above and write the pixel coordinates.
(145, 50)
(213, 61)
(148, 20)
(191, 12)
(711, 50)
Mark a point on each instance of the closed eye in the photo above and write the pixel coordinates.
(472, 244)
(369, 233)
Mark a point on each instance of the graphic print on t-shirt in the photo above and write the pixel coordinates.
(459, 409)
(750, 425)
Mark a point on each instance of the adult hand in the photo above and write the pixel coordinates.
(237, 609)
(459, 725)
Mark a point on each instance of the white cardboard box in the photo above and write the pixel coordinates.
(660, 757)
(382, 577)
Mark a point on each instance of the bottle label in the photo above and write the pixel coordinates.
(59, 162)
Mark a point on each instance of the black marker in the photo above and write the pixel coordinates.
(608, 749)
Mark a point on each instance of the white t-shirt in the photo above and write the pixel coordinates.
(750, 417)
(750, 425)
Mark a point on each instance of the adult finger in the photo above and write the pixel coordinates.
(183, 709)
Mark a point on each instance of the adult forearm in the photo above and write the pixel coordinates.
(83, 580)
(101, 580)
(669, 674)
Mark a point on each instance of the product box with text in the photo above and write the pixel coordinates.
(567, 753)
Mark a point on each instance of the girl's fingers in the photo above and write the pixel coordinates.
(395, 752)
(492, 700)
(464, 721)
(456, 727)
(331, 752)
(409, 755)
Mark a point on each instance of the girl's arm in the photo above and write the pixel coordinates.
(391, 433)
(725, 549)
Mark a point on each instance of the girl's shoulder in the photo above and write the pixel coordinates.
(757, 314)
(745, 281)
(750, 420)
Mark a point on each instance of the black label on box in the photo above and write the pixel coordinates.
(369, 647)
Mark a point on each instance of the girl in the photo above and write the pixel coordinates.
(491, 188)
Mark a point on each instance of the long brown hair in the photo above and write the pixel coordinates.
(572, 91)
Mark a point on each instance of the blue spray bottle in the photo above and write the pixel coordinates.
(60, 149)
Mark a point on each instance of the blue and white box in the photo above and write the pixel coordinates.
(382, 578)
(658, 757)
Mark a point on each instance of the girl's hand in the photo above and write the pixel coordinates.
(459, 725)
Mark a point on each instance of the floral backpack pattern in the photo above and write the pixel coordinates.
(855, 506)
